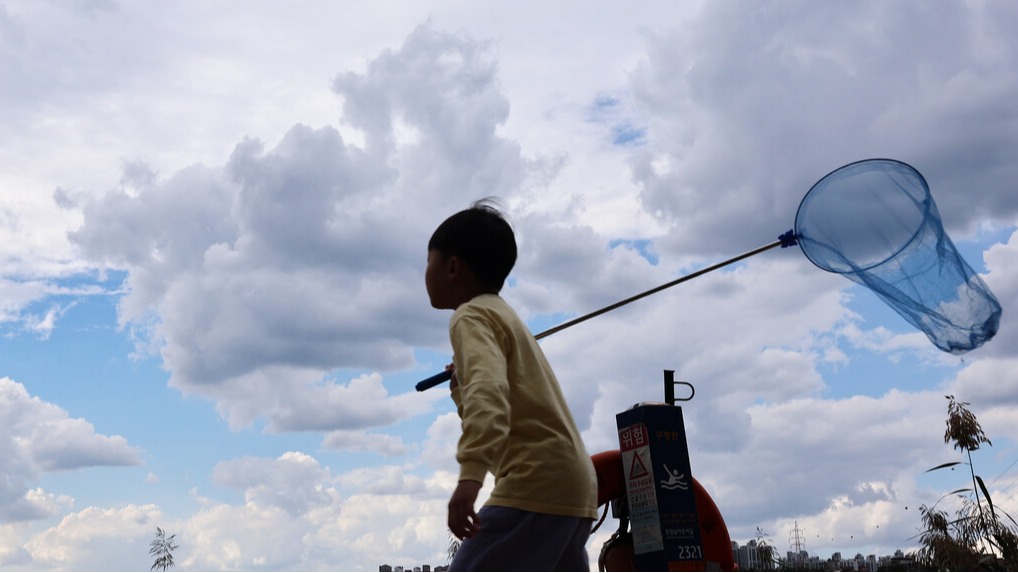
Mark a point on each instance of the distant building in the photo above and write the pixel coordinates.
(748, 557)
(798, 559)
(400, 568)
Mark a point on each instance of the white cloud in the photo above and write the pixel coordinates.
(115, 539)
(294, 400)
(40, 437)
(16, 295)
(752, 106)
(1002, 278)
(355, 441)
(292, 262)
(439, 449)
(293, 518)
(243, 537)
(12, 550)
(293, 482)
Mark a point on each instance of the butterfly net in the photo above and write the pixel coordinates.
(875, 222)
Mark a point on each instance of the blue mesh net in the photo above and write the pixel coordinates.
(875, 222)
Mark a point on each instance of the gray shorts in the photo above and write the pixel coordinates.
(516, 540)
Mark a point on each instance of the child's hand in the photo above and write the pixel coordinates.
(452, 381)
(463, 521)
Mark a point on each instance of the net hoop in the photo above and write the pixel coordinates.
(854, 168)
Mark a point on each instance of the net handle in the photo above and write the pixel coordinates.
(786, 240)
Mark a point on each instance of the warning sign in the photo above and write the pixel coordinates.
(638, 469)
(645, 518)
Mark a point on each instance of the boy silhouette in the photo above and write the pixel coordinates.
(515, 421)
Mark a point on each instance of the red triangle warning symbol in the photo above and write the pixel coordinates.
(638, 470)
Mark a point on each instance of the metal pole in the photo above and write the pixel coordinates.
(443, 376)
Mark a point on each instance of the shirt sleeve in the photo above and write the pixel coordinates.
(480, 349)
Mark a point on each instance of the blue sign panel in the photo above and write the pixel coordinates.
(659, 489)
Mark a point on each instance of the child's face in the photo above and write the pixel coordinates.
(437, 280)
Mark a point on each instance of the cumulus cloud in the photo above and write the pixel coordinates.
(12, 551)
(97, 538)
(737, 336)
(293, 482)
(295, 518)
(290, 262)
(40, 437)
(749, 107)
(439, 449)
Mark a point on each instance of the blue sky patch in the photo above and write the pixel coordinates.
(623, 127)
(642, 246)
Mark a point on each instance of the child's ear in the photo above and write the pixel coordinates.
(453, 266)
(457, 268)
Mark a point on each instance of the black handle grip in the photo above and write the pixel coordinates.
(434, 380)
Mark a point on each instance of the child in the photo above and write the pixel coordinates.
(515, 420)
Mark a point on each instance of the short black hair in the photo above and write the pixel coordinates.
(483, 238)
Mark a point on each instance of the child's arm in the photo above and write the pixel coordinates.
(482, 395)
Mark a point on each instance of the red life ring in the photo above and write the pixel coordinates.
(611, 484)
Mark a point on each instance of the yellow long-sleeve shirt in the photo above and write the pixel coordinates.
(516, 423)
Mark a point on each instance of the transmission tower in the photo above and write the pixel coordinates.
(796, 539)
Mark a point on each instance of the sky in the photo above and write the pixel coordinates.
(214, 219)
